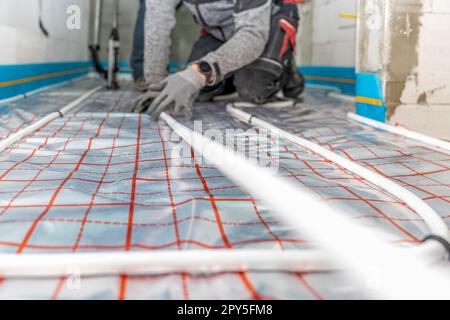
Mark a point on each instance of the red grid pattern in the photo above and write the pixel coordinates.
(112, 182)
(18, 114)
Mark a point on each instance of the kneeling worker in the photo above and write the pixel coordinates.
(246, 46)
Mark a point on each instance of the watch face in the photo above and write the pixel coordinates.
(204, 67)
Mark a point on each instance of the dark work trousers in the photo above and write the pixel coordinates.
(252, 84)
(137, 54)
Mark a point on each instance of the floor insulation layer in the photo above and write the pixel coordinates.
(102, 180)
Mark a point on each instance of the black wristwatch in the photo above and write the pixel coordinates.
(207, 71)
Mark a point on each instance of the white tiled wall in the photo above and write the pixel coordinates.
(23, 42)
(127, 18)
(333, 37)
(185, 33)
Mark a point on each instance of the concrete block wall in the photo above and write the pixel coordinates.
(403, 44)
(424, 102)
(23, 42)
(428, 82)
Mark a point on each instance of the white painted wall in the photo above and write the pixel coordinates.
(332, 38)
(23, 42)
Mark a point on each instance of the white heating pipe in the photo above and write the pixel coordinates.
(381, 269)
(173, 261)
(76, 103)
(6, 143)
(287, 196)
(275, 104)
(432, 219)
(37, 265)
(441, 144)
(343, 97)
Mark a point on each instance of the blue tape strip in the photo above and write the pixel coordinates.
(368, 85)
(342, 78)
(50, 73)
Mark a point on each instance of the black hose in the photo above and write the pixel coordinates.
(41, 24)
(96, 61)
(43, 29)
(441, 240)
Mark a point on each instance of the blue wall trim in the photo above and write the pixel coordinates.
(368, 86)
(342, 78)
(49, 73)
(124, 66)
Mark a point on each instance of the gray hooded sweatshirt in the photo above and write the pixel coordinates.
(243, 25)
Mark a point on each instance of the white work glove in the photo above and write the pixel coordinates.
(142, 102)
(177, 92)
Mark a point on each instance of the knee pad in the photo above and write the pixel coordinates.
(260, 81)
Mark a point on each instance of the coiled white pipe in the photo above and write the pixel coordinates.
(441, 144)
(431, 218)
(45, 120)
(381, 269)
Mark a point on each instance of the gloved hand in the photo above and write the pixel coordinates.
(177, 92)
(142, 102)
